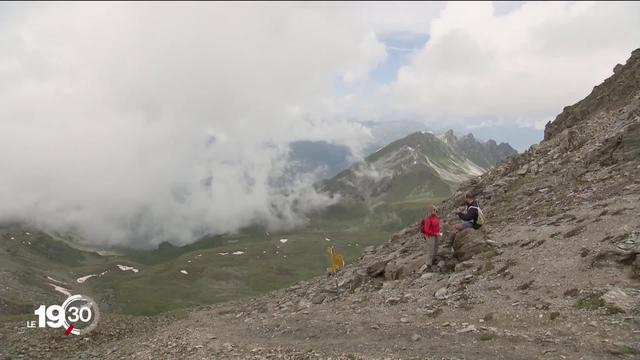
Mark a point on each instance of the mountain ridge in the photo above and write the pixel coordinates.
(420, 164)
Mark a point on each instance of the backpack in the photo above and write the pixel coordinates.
(481, 220)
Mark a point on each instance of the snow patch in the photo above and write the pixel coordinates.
(61, 290)
(54, 280)
(327, 239)
(458, 172)
(238, 252)
(223, 253)
(82, 279)
(284, 240)
(127, 268)
(184, 272)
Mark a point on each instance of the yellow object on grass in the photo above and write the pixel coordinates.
(337, 261)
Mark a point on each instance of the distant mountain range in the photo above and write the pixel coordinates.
(419, 165)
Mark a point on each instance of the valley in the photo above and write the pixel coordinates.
(386, 192)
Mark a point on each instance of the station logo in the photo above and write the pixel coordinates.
(78, 315)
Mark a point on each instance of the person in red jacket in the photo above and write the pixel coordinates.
(430, 228)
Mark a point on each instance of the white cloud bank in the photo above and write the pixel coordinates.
(137, 123)
(520, 67)
(140, 123)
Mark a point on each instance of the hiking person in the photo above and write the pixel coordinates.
(472, 218)
(430, 228)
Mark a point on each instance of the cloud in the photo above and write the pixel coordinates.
(132, 124)
(521, 66)
(397, 16)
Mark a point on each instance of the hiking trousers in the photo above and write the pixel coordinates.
(432, 258)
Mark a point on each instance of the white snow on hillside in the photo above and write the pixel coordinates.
(127, 268)
(54, 280)
(82, 279)
(61, 289)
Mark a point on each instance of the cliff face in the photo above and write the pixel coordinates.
(619, 89)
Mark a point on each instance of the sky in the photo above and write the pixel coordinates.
(136, 123)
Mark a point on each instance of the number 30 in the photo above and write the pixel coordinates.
(79, 314)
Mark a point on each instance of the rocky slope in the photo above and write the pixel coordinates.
(555, 273)
(421, 164)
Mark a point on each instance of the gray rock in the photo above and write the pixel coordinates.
(461, 266)
(523, 170)
(469, 243)
(426, 276)
(441, 294)
(500, 183)
(415, 337)
(318, 298)
(621, 349)
(584, 252)
(377, 268)
(618, 300)
(351, 279)
(403, 267)
(470, 328)
(526, 285)
(393, 300)
(617, 68)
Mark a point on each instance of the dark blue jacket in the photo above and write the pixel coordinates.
(471, 214)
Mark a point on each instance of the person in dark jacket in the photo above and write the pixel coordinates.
(470, 217)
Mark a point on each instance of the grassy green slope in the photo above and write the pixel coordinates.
(266, 263)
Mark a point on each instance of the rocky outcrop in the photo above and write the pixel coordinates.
(469, 243)
(614, 91)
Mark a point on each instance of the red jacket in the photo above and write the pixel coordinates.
(430, 226)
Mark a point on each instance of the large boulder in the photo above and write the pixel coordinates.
(404, 266)
(469, 243)
(377, 268)
(351, 279)
(617, 300)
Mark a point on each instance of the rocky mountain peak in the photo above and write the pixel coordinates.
(618, 89)
(420, 164)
